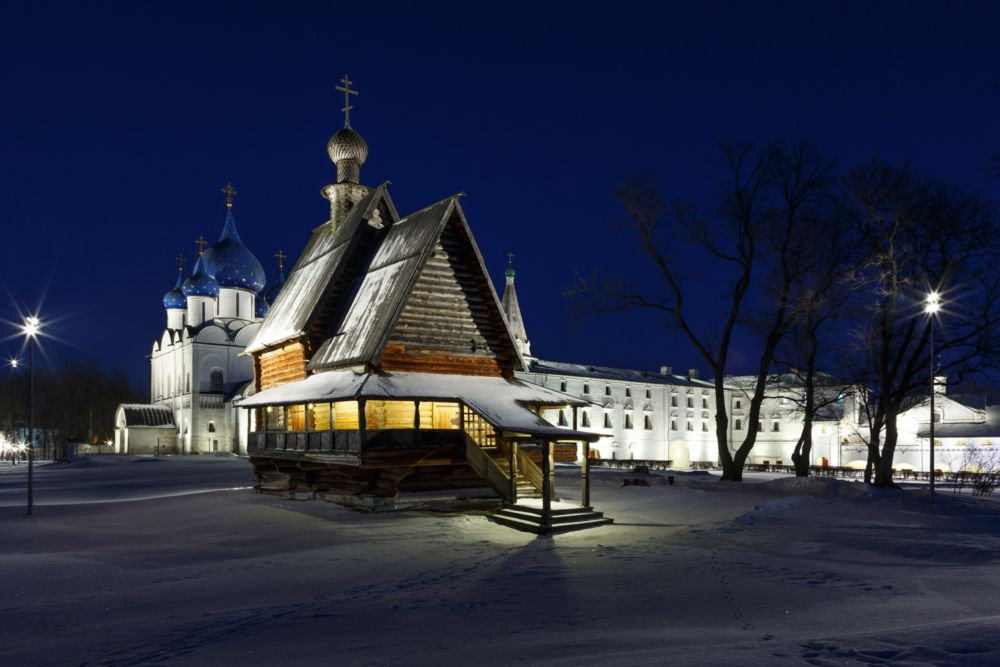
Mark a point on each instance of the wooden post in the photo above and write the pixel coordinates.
(585, 474)
(513, 472)
(362, 421)
(547, 486)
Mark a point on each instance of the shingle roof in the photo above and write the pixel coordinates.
(783, 380)
(321, 262)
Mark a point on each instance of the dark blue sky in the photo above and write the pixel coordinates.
(119, 125)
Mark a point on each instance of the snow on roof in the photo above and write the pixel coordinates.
(150, 416)
(793, 379)
(501, 401)
(617, 374)
(384, 288)
(985, 429)
(320, 262)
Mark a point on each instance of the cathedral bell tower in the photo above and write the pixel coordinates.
(348, 150)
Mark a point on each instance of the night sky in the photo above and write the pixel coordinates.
(118, 127)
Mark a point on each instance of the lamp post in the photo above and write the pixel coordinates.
(13, 394)
(931, 306)
(31, 329)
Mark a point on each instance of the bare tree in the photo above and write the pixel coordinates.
(769, 196)
(917, 236)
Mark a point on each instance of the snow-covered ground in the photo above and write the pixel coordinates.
(173, 561)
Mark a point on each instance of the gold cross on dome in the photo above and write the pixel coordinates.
(346, 89)
(180, 262)
(201, 243)
(229, 191)
(281, 259)
(510, 258)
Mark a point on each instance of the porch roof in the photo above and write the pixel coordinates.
(500, 401)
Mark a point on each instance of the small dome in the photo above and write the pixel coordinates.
(232, 263)
(175, 298)
(261, 310)
(510, 271)
(201, 282)
(347, 145)
(274, 289)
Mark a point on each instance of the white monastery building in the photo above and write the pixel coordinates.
(197, 369)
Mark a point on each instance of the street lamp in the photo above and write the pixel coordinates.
(14, 362)
(31, 327)
(931, 306)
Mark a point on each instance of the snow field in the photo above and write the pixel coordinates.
(170, 561)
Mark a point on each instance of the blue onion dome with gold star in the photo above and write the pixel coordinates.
(175, 298)
(231, 262)
(201, 282)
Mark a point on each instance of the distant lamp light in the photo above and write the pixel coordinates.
(14, 363)
(932, 304)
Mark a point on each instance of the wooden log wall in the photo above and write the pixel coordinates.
(450, 323)
(281, 365)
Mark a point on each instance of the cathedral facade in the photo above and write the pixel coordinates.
(197, 369)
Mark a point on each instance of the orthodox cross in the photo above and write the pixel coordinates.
(510, 258)
(180, 263)
(346, 89)
(229, 191)
(201, 243)
(281, 259)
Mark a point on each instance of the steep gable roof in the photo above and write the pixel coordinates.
(399, 270)
(314, 276)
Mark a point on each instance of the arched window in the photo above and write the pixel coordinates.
(585, 419)
(562, 418)
(215, 382)
(211, 427)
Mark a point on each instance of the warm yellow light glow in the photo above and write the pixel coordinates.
(933, 303)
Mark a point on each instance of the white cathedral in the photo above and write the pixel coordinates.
(197, 371)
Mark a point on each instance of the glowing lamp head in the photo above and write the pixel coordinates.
(13, 363)
(31, 327)
(933, 303)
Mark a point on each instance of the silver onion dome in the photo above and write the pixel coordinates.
(348, 150)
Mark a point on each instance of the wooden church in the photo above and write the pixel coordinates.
(386, 365)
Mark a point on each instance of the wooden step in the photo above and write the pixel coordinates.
(563, 520)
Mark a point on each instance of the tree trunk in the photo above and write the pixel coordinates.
(883, 471)
(802, 455)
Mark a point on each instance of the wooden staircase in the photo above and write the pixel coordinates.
(525, 488)
(562, 520)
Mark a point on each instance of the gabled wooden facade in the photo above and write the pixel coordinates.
(386, 365)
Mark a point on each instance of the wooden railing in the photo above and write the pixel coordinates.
(484, 466)
(529, 469)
